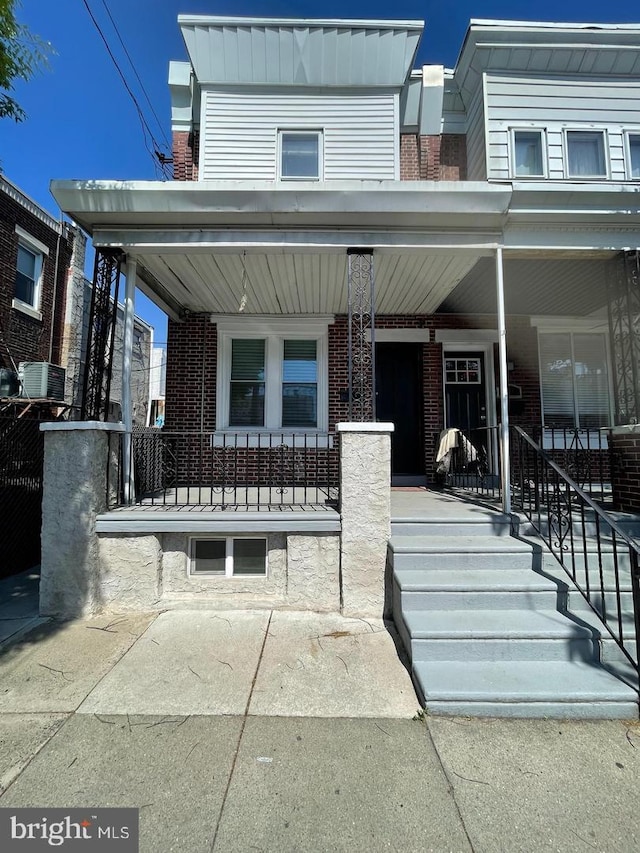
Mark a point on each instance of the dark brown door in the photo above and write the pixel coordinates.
(466, 395)
(399, 399)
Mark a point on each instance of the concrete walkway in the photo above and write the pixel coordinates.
(272, 731)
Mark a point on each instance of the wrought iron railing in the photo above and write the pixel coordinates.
(601, 558)
(584, 453)
(226, 470)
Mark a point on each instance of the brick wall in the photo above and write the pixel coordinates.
(433, 158)
(185, 155)
(625, 480)
(192, 364)
(22, 337)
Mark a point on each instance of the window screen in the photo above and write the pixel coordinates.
(26, 273)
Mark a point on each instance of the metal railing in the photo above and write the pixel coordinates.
(226, 470)
(583, 453)
(601, 558)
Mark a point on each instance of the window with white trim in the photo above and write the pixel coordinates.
(272, 377)
(528, 153)
(633, 152)
(574, 377)
(300, 155)
(29, 262)
(228, 556)
(585, 154)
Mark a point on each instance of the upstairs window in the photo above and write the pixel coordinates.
(528, 160)
(586, 154)
(633, 140)
(28, 277)
(575, 380)
(300, 155)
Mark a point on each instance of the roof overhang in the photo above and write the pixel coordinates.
(300, 52)
(609, 50)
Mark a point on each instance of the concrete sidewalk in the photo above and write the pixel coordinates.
(240, 731)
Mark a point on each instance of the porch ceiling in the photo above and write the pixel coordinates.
(534, 285)
(301, 283)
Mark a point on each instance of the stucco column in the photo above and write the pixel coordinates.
(77, 456)
(365, 498)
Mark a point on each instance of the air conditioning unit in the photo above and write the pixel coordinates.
(41, 379)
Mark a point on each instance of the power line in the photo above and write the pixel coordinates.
(143, 121)
(124, 47)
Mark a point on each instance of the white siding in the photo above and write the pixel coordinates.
(239, 137)
(557, 105)
(476, 150)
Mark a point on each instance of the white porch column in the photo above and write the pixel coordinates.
(505, 475)
(127, 354)
(365, 509)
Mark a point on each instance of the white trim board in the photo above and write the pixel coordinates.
(467, 336)
(406, 336)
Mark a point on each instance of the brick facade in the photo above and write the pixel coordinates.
(23, 337)
(185, 155)
(192, 365)
(433, 158)
(625, 478)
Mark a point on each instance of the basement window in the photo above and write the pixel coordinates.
(228, 556)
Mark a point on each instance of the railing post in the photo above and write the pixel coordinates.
(505, 477)
(635, 588)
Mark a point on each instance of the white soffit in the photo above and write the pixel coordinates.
(303, 52)
(303, 283)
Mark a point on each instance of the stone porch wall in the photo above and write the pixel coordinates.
(311, 565)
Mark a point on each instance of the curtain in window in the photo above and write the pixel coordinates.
(575, 384)
(586, 153)
(300, 384)
(528, 153)
(247, 383)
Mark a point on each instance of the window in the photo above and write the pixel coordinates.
(300, 155)
(272, 375)
(585, 154)
(575, 380)
(527, 154)
(633, 142)
(228, 557)
(463, 371)
(29, 262)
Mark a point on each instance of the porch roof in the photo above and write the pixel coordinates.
(203, 246)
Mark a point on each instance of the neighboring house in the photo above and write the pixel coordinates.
(157, 384)
(77, 314)
(35, 254)
(353, 240)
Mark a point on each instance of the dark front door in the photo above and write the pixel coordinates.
(399, 399)
(466, 395)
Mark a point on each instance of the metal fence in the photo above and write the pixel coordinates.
(21, 464)
(281, 469)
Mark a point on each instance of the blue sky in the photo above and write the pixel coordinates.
(81, 122)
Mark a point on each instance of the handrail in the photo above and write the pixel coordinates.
(564, 521)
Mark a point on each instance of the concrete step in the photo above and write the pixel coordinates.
(557, 689)
(490, 634)
(460, 552)
(433, 589)
(483, 523)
